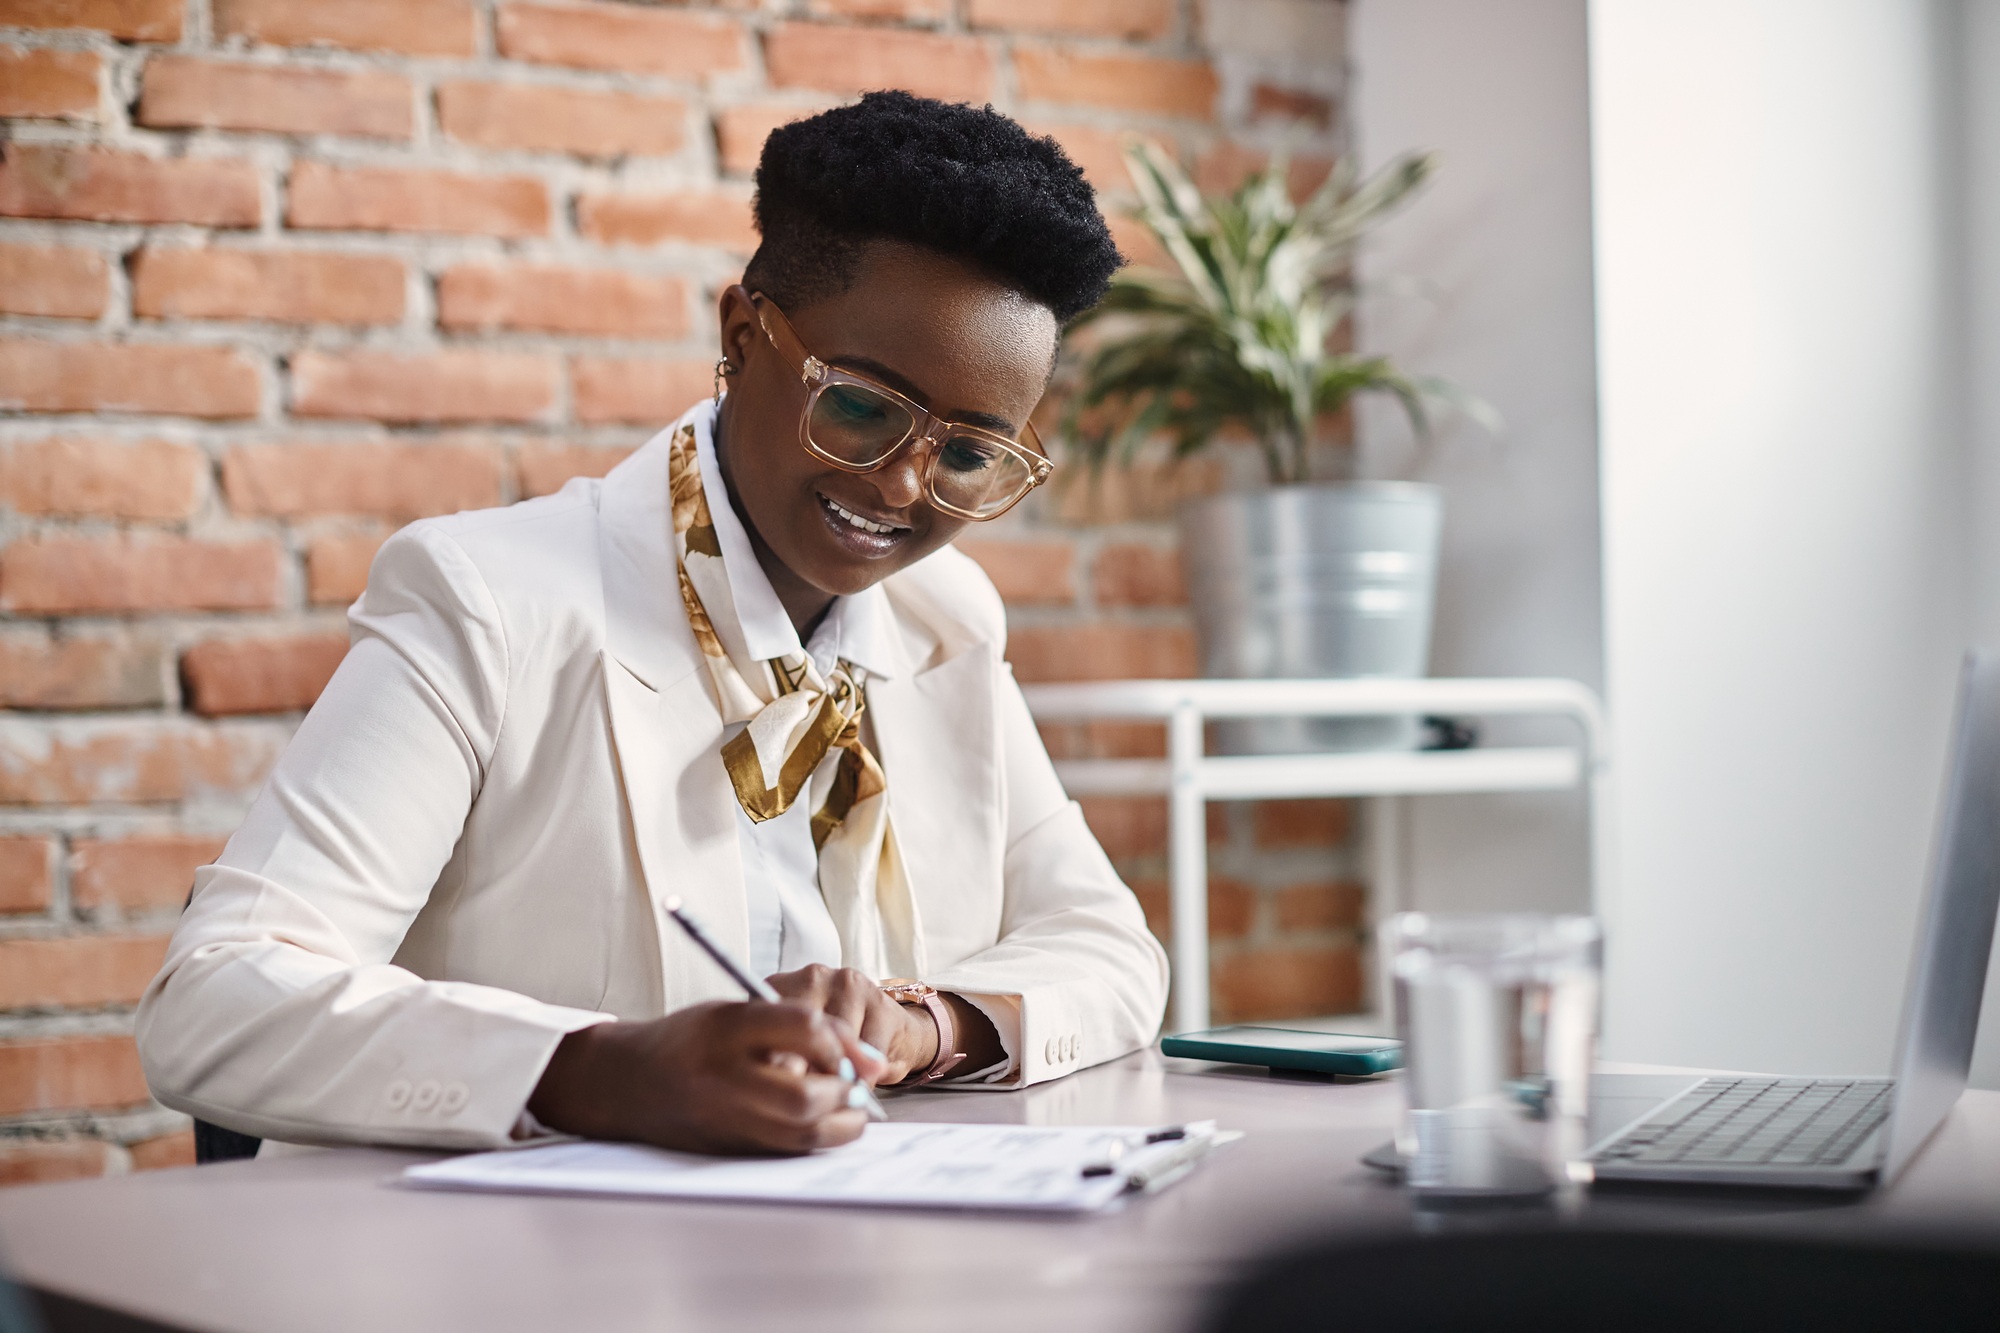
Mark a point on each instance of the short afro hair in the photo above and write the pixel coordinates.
(963, 181)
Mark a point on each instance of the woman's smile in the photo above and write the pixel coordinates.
(868, 536)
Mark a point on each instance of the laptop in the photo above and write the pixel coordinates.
(1848, 1133)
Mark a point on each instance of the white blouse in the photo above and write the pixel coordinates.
(790, 927)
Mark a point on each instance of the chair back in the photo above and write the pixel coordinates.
(1554, 1281)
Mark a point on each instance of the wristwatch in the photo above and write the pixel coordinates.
(905, 991)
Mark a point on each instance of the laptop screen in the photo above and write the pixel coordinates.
(1955, 935)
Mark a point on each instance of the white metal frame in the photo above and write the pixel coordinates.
(1190, 778)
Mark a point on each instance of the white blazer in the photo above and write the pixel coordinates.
(462, 855)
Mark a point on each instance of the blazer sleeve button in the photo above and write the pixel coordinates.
(1049, 1050)
(426, 1095)
(397, 1094)
(454, 1098)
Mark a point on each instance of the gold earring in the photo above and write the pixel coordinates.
(722, 368)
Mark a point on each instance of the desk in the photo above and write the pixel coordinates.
(321, 1242)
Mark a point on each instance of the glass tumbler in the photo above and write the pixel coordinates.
(1498, 1017)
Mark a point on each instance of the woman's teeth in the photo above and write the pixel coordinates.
(857, 521)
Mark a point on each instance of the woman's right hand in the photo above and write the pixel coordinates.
(718, 1077)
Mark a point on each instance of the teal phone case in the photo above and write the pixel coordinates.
(1326, 1060)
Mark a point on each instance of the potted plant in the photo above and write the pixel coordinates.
(1317, 574)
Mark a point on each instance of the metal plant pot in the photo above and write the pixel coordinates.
(1314, 581)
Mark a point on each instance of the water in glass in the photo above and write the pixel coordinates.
(1498, 1016)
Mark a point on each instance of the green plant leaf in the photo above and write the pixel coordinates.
(1239, 334)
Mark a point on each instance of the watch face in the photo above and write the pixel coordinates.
(909, 992)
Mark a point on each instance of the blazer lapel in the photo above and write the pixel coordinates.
(937, 738)
(666, 731)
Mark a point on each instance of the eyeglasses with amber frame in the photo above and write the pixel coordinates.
(859, 424)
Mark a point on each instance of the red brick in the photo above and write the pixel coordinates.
(1101, 652)
(697, 217)
(48, 83)
(1286, 983)
(81, 476)
(25, 883)
(1141, 19)
(543, 469)
(163, 1151)
(187, 92)
(1315, 823)
(454, 385)
(38, 1161)
(91, 763)
(1104, 740)
(1335, 905)
(337, 567)
(416, 27)
(143, 872)
(1127, 826)
(287, 286)
(391, 199)
(1153, 901)
(647, 390)
(1145, 492)
(55, 575)
(79, 972)
(916, 11)
(38, 670)
(1136, 243)
(398, 481)
(231, 676)
(98, 185)
(1228, 164)
(538, 118)
(641, 39)
(134, 20)
(127, 377)
(1031, 573)
(558, 299)
(740, 131)
(1131, 574)
(856, 60)
(1270, 102)
(70, 1074)
(1100, 152)
(1147, 84)
(1232, 907)
(59, 281)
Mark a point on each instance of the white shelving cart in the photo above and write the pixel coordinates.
(1190, 778)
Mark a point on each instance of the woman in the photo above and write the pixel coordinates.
(743, 670)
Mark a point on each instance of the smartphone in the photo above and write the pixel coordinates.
(1288, 1048)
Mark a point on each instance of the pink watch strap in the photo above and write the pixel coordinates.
(948, 1057)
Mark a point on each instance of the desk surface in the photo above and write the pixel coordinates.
(324, 1241)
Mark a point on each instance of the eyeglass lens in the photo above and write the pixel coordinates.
(857, 426)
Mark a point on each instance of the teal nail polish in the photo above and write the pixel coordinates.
(857, 1097)
(846, 1070)
(872, 1053)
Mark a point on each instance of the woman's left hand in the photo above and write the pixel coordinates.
(906, 1035)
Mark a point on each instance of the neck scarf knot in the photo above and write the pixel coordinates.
(794, 716)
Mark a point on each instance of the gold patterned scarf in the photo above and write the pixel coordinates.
(795, 715)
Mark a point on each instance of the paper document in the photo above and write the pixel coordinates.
(1035, 1168)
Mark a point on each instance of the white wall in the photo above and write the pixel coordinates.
(1978, 171)
(1786, 555)
(1500, 241)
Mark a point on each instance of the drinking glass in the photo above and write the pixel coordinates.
(1498, 1017)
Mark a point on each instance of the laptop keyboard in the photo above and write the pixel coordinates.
(1757, 1122)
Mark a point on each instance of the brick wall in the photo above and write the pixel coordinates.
(279, 275)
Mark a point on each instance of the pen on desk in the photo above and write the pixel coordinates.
(863, 1097)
